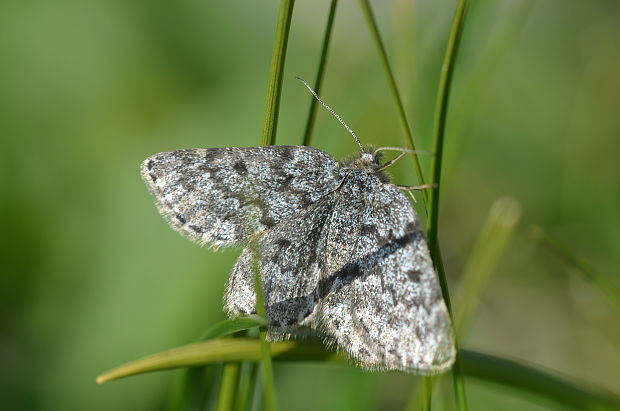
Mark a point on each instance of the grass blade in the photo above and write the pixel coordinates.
(474, 364)
(443, 97)
(247, 386)
(490, 245)
(231, 326)
(374, 31)
(205, 352)
(193, 387)
(267, 367)
(420, 398)
(441, 111)
(320, 72)
(515, 375)
(188, 391)
(278, 57)
(218, 351)
(228, 387)
(269, 138)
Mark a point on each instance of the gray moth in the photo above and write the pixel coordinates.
(341, 248)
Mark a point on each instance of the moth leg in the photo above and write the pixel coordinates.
(409, 189)
(392, 161)
(417, 188)
(412, 196)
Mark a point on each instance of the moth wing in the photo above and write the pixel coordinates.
(221, 196)
(381, 299)
(290, 262)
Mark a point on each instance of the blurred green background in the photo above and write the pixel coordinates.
(93, 277)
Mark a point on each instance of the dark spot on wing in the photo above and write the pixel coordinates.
(240, 168)
(368, 229)
(196, 229)
(305, 200)
(291, 311)
(180, 218)
(282, 243)
(267, 221)
(284, 181)
(414, 275)
(349, 271)
(382, 242)
(208, 169)
(188, 184)
(153, 177)
(286, 153)
(149, 165)
(401, 241)
(411, 227)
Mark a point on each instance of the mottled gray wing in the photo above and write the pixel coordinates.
(379, 295)
(221, 196)
(290, 261)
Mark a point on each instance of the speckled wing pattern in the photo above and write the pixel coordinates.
(290, 256)
(340, 249)
(380, 297)
(221, 196)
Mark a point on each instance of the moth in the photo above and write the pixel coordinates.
(341, 249)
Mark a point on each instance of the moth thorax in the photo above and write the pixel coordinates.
(365, 162)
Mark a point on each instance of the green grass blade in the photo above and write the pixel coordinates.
(219, 351)
(247, 386)
(277, 71)
(192, 387)
(420, 398)
(500, 224)
(459, 384)
(443, 97)
(200, 353)
(589, 272)
(515, 375)
(474, 364)
(228, 387)
(374, 31)
(441, 110)
(488, 249)
(231, 326)
(427, 389)
(267, 366)
(188, 392)
(320, 72)
(270, 124)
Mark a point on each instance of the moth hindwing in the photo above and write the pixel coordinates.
(341, 248)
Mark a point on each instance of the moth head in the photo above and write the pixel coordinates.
(369, 157)
(368, 160)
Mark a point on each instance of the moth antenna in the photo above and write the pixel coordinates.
(331, 111)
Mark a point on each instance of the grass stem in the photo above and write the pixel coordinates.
(320, 72)
(443, 98)
(228, 387)
(278, 57)
(265, 349)
(374, 31)
(485, 255)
